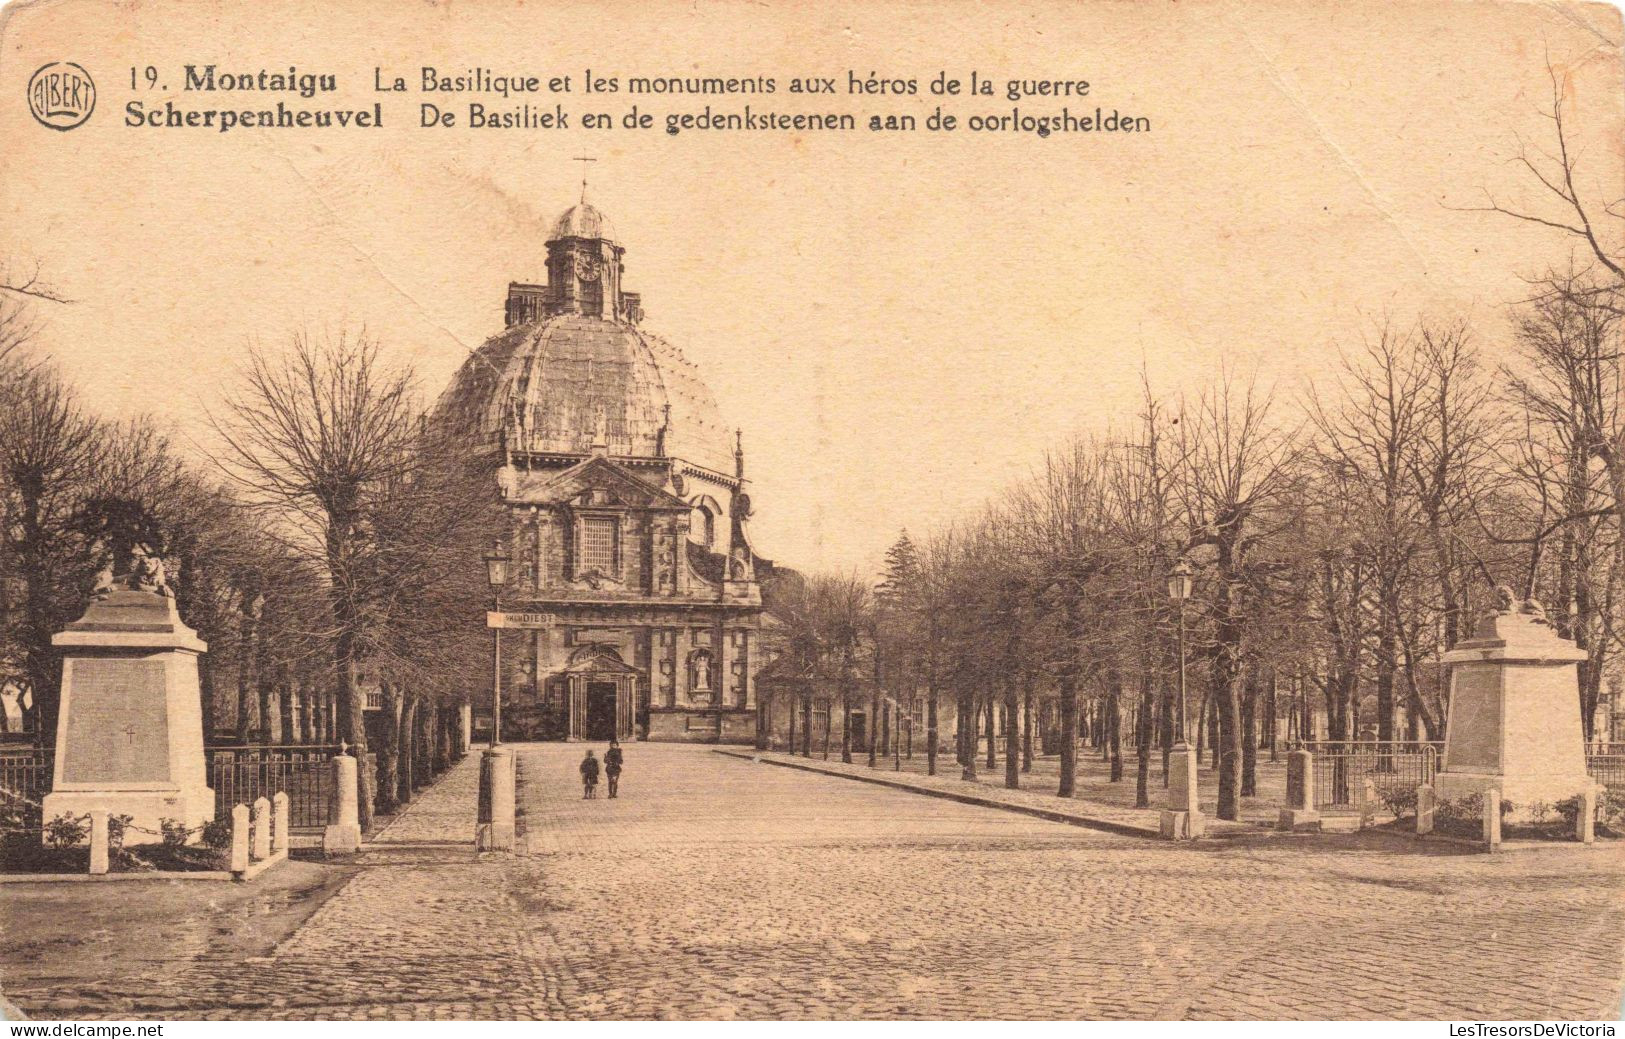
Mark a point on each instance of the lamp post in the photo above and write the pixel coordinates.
(1182, 819)
(496, 575)
(1179, 589)
(496, 819)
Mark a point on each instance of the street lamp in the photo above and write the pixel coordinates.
(496, 575)
(1179, 589)
(1182, 819)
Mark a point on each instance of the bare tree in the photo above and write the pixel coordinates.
(312, 436)
(1236, 490)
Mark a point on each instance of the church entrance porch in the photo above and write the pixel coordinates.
(600, 695)
(600, 721)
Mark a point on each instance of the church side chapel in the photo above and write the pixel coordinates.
(628, 512)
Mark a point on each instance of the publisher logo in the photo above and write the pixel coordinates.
(61, 95)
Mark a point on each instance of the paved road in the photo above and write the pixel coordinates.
(718, 887)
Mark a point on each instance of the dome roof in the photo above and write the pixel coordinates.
(582, 221)
(548, 383)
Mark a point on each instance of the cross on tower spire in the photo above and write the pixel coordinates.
(583, 159)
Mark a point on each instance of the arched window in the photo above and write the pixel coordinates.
(702, 527)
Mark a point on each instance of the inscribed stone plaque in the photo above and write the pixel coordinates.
(118, 723)
(1475, 720)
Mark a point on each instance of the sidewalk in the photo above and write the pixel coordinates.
(445, 812)
(1036, 799)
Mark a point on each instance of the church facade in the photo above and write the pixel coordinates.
(627, 512)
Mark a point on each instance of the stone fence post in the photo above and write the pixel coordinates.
(1368, 802)
(343, 833)
(1427, 802)
(1299, 813)
(1492, 819)
(496, 825)
(1585, 822)
(1182, 819)
(261, 849)
(239, 838)
(98, 841)
(279, 823)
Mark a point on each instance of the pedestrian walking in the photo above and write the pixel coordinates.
(589, 776)
(612, 765)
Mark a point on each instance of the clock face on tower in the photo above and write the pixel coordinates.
(586, 267)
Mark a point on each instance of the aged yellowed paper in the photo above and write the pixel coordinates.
(879, 511)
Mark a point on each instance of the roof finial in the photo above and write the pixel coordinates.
(739, 454)
(583, 159)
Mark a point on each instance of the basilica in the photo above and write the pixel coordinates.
(627, 512)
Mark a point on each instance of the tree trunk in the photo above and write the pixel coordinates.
(873, 728)
(829, 720)
(1201, 727)
(406, 749)
(1114, 725)
(967, 737)
(931, 728)
(1249, 740)
(284, 685)
(389, 761)
(1026, 723)
(351, 710)
(442, 738)
(992, 734)
(1142, 744)
(1213, 729)
(806, 726)
(795, 709)
(1169, 709)
(1012, 735)
(206, 694)
(1274, 712)
(247, 724)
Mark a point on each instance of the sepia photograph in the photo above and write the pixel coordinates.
(887, 511)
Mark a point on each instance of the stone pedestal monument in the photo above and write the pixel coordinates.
(1514, 720)
(129, 737)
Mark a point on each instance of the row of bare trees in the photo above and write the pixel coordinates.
(1342, 538)
(331, 536)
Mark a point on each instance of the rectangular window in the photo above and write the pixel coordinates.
(598, 543)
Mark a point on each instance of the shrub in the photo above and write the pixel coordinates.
(1538, 811)
(1611, 807)
(1461, 811)
(175, 832)
(1568, 808)
(1400, 801)
(116, 825)
(65, 831)
(217, 834)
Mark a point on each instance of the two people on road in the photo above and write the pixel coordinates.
(611, 768)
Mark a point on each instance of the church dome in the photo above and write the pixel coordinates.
(551, 384)
(583, 221)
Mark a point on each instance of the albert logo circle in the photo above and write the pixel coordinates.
(61, 95)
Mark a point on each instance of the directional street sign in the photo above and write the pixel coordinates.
(518, 620)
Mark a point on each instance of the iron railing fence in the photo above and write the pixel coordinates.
(1343, 766)
(1608, 769)
(25, 774)
(241, 775)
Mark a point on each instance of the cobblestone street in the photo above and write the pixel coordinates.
(719, 887)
